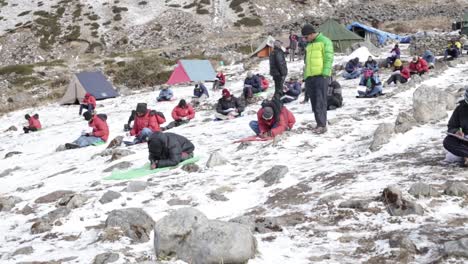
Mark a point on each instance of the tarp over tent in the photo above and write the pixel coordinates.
(342, 38)
(381, 36)
(192, 71)
(265, 48)
(94, 83)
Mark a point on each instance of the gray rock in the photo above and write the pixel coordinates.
(382, 136)
(116, 142)
(329, 198)
(54, 196)
(11, 154)
(403, 242)
(177, 201)
(23, 251)
(27, 210)
(136, 186)
(404, 122)
(120, 153)
(217, 196)
(56, 214)
(397, 206)
(12, 128)
(73, 201)
(421, 189)
(188, 235)
(7, 203)
(355, 204)
(134, 222)
(216, 160)
(273, 175)
(40, 226)
(456, 189)
(60, 148)
(109, 196)
(430, 104)
(105, 258)
(457, 248)
(119, 166)
(7, 172)
(191, 167)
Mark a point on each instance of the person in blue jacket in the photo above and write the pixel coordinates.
(165, 94)
(353, 69)
(252, 85)
(371, 64)
(200, 91)
(372, 83)
(430, 58)
(291, 90)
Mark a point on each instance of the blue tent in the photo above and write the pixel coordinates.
(381, 36)
(88, 82)
(192, 71)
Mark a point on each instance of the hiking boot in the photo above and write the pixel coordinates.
(319, 130)
(71, 146)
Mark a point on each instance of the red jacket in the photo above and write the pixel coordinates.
(179, 112)
(405, 73)
(100, 128)
(419, 67)
(89, 99)
(221, 78)
(286, 121)
(148, 120)
(265, 84)
(34, 123)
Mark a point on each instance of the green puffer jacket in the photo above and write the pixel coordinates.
(319, 57)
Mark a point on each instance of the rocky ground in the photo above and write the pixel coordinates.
(372, 190)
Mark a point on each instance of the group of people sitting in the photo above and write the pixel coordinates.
(369, 78)
(254, 84)
(454, 50)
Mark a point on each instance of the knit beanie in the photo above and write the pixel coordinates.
(87, 115)
(141, 108)
(267, 113)
(226, 93)
(307, 29)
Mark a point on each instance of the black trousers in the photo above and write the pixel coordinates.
(27, 129)
(456, 146)
(316, 89)
(279, 82)
(176, 124)
(395, 78)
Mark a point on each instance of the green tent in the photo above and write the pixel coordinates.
(342, 38)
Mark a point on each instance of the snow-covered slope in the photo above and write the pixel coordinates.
(338, 162)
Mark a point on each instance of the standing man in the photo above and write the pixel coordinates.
(292, 45)
(278, 68)
(318, 68)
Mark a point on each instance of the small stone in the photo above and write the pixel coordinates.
(422, 190)
(382, 136)
(105, 258)
(273, 175)
(173, 202)
(136, 186)
(217, 196)
(7, 172)
(40, 227)
(329, 198)
(458, 248)
(119, 166)
(27, 210)
(355, 204)
(24, 251)
(116, 142)
(191, 168)
(53, 196)
(11, 154)
(134, 222)
(109, 196)
(456, 189)
(7, 203)
(12, 128)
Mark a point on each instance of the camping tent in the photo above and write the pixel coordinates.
(192, 71)
(342, 38)
(375, 35)
(88, 82)
(265, 48)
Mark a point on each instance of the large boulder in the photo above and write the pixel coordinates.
(54, 196)
(382, 136)
(431, 104)
(134, 222)
(404, 122)
(189, 236)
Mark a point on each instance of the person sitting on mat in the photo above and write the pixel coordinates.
(165, 94)
(99, 134)
(182, 114)
(146, 122)
(229, 106)
(291, 90)
(168, 149)
(33, 123)
(272, 119)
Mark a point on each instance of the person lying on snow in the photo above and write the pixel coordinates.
(458, 124)
(182, 114)
(372, 83)
(168, 149)
(353, 69)
(165, 94)
(99, 134)
(88, 103)
(147, 122)
(371, 64)
(454, 50)
(252, 85)
(228, 106)
(394, 54)
(272, 119)
(429, 57)
(291, 90)
(219, 82)
(334, 96)
(200, 92)
(418, 66)
(400, 73)
(33, 123)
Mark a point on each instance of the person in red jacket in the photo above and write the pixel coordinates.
(418, 66)
(220, 81)
(264, 81)
(146, 122)
(182, 114)
(400, 73)
(272, 120)
(89, 103)
(99, 134)
(33, 123)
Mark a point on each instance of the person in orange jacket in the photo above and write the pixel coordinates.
(182, 114)
(88, 103)
(33, 123)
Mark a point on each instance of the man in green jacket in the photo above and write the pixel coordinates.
(318, 68)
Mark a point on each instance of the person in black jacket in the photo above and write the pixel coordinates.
(228, 106)
(252, 85)
(458, 125)
(334, 96)
(278, 68)
(168, 149)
